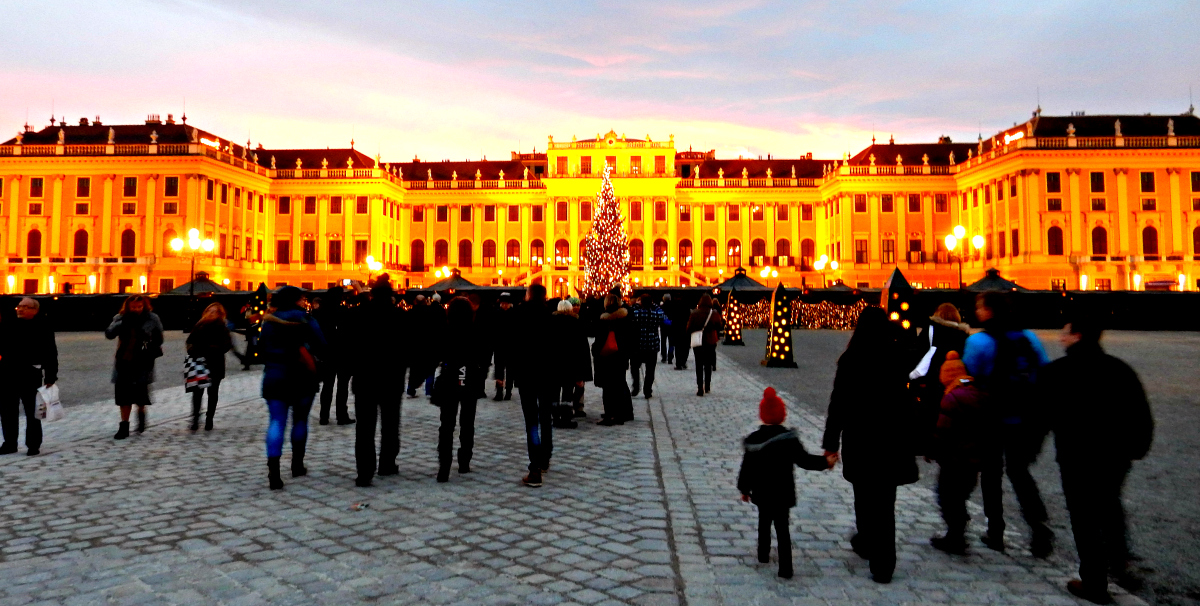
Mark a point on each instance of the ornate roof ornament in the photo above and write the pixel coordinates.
(1170, 127)
(793, 171)
(272, 162)
(299, 163)
(154, 137)
(1071, 129)
(951, 158)
(62, 136)
(324, 163)
(925, 159)
(350, 163)
(112, 134)
(1117, 126)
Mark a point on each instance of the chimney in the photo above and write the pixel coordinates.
(153, 119)
(96, 122)
(170, 118)
(83, 122)
(808, 156)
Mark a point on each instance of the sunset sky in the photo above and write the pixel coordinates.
(457, 80)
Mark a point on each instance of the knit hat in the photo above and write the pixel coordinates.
(771, 409)
(953, 369)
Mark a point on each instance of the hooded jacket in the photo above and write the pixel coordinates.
(964, 432)
(766, 472)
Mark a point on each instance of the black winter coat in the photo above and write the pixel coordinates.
(378, 348)
(464, 351)
(572, 360)
(210, 341)
(427, 323)
(531, 349)
(1096, 408)
(23, 345)
(611, 368)
(947, 337)
(766, 473)
(873, 418)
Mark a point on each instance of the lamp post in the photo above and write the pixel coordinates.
(820, 267)
(371, 266)
(194, 247)
(952, 241)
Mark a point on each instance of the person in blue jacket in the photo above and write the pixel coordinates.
(1005, 360)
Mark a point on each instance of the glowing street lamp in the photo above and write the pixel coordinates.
(194, 247)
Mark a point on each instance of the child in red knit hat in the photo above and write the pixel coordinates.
(766, 477)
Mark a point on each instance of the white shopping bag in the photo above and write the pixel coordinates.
(47, 405)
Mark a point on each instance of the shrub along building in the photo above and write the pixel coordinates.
(1073, 202)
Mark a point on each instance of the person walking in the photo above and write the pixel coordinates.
(648, 320)
(378, 328)
(706, 320)
(1005, 361)
(944, 334)
(139, 334)
(868, 411)
(336, 371)
(535, 390)
(666, 345)
(28, 360)
(461, 376)
(611, 351)
(427, 323)
(1101, 420)
(677, 313)
(961, 439)
(210, 340)
(503, 341)
(290, 344)
(766, 477)
(571, 364)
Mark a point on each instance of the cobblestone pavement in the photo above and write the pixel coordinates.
(646, 513)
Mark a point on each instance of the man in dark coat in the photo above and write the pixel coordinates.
(1101, 421)
(335, 371)
(28, 360)
(531, 356)
(677, 313)
(648, 319)
(504, 338)
(961, 440)
(378, 328)
(427, 321)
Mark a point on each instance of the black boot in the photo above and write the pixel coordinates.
(443, 474)
(1043, 541)
(499, 391)
(298, 459)
(141, 426)
(208, 418)
(273, 473)
(122, 431)
(195, 414)
(464, 461)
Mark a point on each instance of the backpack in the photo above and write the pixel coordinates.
(1014, 376)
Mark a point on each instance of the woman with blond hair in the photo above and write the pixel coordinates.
(139, 335)
(209, 340)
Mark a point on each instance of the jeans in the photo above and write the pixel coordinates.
(1013, 454)
(10, 414)
(278, 409)
(371, 405)
(339, 379)
(650, 360)
(777, 517)
(666, 346)
(537, 403)
(706, 360)
(1093, 494)
(464, 409)
(875, 516)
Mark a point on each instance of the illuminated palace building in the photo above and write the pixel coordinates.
(1073, 202)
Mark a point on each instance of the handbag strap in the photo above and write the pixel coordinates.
(706, 319)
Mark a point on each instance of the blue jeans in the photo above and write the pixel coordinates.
(278, 410)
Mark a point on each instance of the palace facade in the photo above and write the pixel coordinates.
(1064, 202)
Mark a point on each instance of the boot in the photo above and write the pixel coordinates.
(499, 391)
(208, 418)
(443, 474)
(464, 461)
(273, 478)
(141, 426)
(1043, 541)
(195, 414)
(298, 459)
(122, 431)
(952, 543)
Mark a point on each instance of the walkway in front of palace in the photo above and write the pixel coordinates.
(647, 514)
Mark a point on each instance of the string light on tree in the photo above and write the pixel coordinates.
(733, 320)
(779, 340)
(606, 249)
(254, 312)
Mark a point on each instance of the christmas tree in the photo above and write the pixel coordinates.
(606, 249)
(254, 312)
(734, 317)
(779, 337)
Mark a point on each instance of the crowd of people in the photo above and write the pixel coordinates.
(981, 405)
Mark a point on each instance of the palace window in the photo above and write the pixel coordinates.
(537, 253)
(561, 165)
(889, 251)
(1016, 243)
(1053, 183)
(562, 253)
(209, 188)
(82, 208)
(860, 203)
(733, 254)
(36, 187)
(660, 210)
(80, 248)
(685, 212)
(1150, 243)
(660, 252)
(939, 203)
(886, 203)
(988, 247)
(335, 251)
(363, 205)
(310, 205)
(562, 211)
(417, 254)
(1099, 203)
(585, 211)
(635, 210)
(285, 205)
(1097, 182)
(710, 251)
(489, 253)
(130, 186)
(514, 213)
(443, 213)
(585, 165)
(418, 214)
(33, 244)
(685, 253)
(808, 251)
(129, 208)
(999, 191)
(914, 203)
(1103, 283)
(987, 194)
(512, 253)
(915, 252)
(783, 250)
(861, 251)
(710, 212)
(308, 251)
(83, 187)
(758, 252)
(335, 206)
(637, 253)
(1147, 182)
(1054, 241)
(1149, 204)
(224, 191)
(1099, 242)
(1001, 245)
(1053, 203)
(128, 243)
(171, 187)
(465, 250)
(1058, 284)
(1196, 181)
(489, 213)
(660, 165)
(611, 162)
(735, 212)
(1012, 188)
(975, 198)
(539, 211)
(1195, 203)
(635, 165)
(360, 251)
(464, 213)
(806, 212)
(964, 200)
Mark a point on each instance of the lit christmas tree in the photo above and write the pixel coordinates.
(779, 339)
(734, 317)
(606, 249)
(254, 312)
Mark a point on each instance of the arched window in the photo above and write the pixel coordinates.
(685, 253)
(1099, 241)
(637, 254)
(537, 252)
(710, 253)
(33, 244)
(80, 248)
(1150, 243)
(128, 243)
(464, 253)
(441, 253)
(783, 252)
(561, 212)
(489, 253)
(808, 249)
(513, 253)
(167, 251)
(562, 253)
(660, 252)
(733, 254)
(1054, 241)
(758, 252)
(417, 251)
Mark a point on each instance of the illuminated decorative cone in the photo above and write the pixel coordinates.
(897, 298)
(734, 317)
(779, 335)
(254, 312)
(606, 249)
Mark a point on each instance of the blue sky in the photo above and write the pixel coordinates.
(462, 79)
